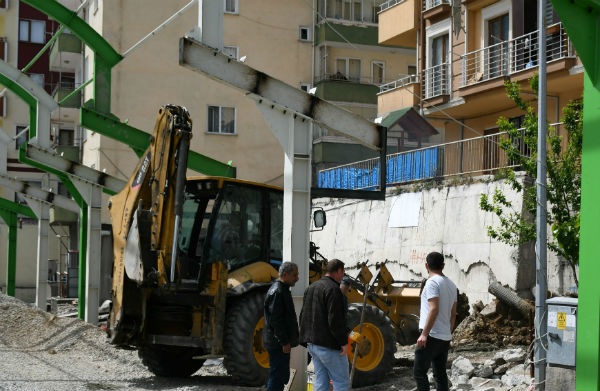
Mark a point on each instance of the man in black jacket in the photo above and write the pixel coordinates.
(323, 329)
(280, 334)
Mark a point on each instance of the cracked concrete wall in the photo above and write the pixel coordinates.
(450, 222)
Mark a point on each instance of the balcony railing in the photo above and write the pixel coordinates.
(429, 4)
(405, 81)
(437, 80)
(389, 4)
(351, 79)
(515, 55)
(478, 155)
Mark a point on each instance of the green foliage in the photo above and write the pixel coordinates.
(563, 179)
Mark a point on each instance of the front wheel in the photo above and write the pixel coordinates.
(376, 350)
(246, 359)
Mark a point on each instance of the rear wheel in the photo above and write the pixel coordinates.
(246, 359)
(376, 350)
(170, 361)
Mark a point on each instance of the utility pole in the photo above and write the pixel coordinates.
(541, 225)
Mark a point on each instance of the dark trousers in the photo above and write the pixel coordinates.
(434, 354)
(279, 369)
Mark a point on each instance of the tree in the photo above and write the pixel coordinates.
(563, 180)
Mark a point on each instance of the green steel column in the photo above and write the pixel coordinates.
(11, 262)
(83, 221)
(588, 322)
(102, 84)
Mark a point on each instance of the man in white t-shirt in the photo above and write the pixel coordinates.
(438, 313)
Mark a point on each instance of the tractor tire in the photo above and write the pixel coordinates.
(408, 332)
(376, 354)
(170, 361)
(246, 359)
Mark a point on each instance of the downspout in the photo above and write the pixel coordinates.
(421, 59)
(312, 63)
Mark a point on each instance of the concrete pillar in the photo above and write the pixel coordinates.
(42, 211)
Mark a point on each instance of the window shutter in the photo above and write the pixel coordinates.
(3, 48)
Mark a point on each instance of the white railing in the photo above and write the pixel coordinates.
(437, 80)
(515, 55)
(429, 4)
(389, 4)
(478, 155)
(405, 81)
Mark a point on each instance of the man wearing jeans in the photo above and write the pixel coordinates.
(323, 329)
(438, 313)
(280, 333)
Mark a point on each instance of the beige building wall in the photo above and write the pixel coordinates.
(266, 32)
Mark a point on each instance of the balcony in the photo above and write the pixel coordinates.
(516, 55)
(398, 22)
(60, 216)
(398, 94)
(473, 156)
(436, 80)
(69, 152)
(62, 91)
(340, 88)
(66, 53)
(364, 35)
(436, 8)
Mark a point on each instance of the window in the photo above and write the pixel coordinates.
(231, 51)
(66, 137)
(3, 4)
(305, 87)
(3, 106)
(276, 210)
(221, 120)
(497, 60)
(378, 72)
(231, 6)
(347, 69)
(411, 70)
(304, 33)
(3, 49)
(38, 78)
(32, 31)
(22, 135)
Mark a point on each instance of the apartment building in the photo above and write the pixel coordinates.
(466, 51)
(350, 66)
(24, 31)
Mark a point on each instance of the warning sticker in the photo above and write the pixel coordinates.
(561, 320)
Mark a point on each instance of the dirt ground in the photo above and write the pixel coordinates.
(41, 351)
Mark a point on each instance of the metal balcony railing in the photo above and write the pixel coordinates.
(437, 80)
(515, 55)
(351, 79)
(478, 155)
(429, 4)
(405, 81)
(389, 4)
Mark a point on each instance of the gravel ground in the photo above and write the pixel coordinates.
(41, 351)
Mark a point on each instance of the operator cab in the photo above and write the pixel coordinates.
(230, 221)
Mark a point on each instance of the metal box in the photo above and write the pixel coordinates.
(562, 331)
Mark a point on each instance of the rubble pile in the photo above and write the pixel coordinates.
(496, 323)
(503, 372)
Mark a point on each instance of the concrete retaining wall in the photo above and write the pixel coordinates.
(449, 221)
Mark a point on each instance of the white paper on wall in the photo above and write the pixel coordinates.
(405, 211)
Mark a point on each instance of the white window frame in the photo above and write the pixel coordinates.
(305, 87)
(236, 11)
(220, 115)
(234, 48)
(373, 68)
(29, 22)
(434, 31)
(308, 34)
(493, 11)
(347, 72)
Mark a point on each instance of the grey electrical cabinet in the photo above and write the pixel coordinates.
(562, 330)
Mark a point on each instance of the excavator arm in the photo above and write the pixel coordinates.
(146, 216)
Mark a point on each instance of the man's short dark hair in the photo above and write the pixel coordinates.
(287, 267)
(435, 260)
(333, 265)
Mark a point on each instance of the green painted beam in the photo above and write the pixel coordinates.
(138, 140)
(588, 322)
(580, 19)
(15, 207)
(10, 218)
(78, 27)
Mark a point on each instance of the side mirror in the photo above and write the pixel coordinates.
(319, 218)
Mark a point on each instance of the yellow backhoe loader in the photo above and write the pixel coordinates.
(194, 257)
